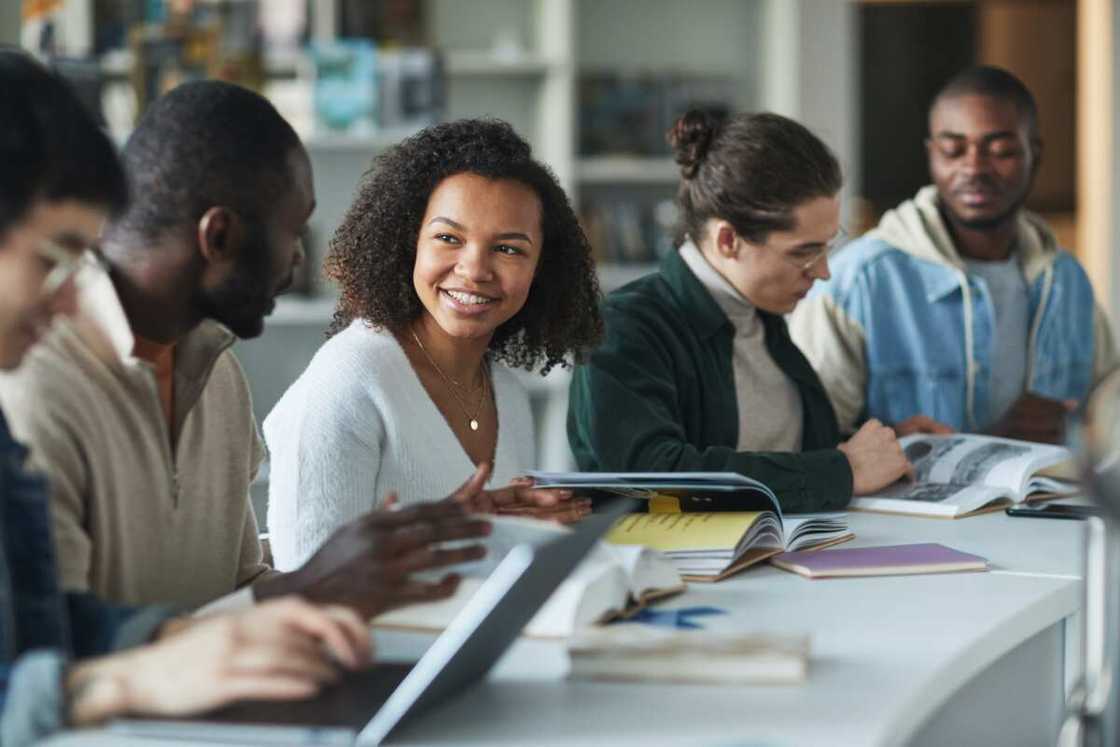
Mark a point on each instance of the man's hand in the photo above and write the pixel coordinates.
(921, 424)
(367, 564)
(519, 498)
(280, 650)
(1035, 418)
(876, 458)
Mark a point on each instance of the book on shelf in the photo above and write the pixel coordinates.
(710, 546)
(963, 474)
(611, 582)
(890, 560)
(630, 652)
(669, 491)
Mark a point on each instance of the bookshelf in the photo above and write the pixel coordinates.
(523, 61)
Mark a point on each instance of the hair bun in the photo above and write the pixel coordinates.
(690, 138)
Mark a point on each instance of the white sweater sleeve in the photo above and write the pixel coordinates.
(325, 439)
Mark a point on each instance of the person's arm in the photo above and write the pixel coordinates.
(283, 650)
(37, 416)
(624, 408)
(98, 627)
(833, 341)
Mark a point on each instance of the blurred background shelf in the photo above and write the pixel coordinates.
(466, 63)
(626, 170)
(540, 65)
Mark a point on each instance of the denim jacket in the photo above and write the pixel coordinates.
(41, 627)
(902, 328)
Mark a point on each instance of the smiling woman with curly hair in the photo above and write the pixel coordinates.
(459, 259)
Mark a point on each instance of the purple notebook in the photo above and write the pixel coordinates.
(890, 560)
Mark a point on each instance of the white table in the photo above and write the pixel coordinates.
(952, 659)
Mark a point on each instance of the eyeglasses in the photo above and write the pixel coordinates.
(804, 258)
(68, 264)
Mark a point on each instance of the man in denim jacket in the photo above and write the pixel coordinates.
(959, 311)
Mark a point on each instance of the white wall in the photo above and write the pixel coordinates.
(810, 64)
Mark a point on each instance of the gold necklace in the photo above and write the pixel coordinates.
(453, 385)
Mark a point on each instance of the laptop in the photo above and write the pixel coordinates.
(366, 707)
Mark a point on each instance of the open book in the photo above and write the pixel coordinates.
(712, 546)
(963, 474)
(669, 491)
(611, 582)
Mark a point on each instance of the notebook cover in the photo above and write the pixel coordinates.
(887, 560)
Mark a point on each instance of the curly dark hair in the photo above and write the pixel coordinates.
(373, 251)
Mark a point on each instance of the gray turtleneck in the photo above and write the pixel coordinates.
(770, 410)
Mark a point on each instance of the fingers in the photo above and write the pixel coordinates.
(922, 424)
(390, 502)
(467, 492)
(435, 511)
(424, 533)
(564, 513)
(437, 557)
(341, 631)
(284, 659)
(265, 687)
(513, 494)
(414, 592)
(351, 646)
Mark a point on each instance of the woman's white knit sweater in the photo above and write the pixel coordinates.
(357, 425)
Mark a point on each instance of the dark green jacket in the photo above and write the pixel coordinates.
(659, 395)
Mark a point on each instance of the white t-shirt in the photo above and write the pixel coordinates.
(1007, 289)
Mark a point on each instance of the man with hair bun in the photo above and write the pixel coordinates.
(960, 312)
(697, 371)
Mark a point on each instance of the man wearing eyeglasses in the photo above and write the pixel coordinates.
(960, 312)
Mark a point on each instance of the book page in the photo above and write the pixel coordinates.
(809, 530)
(932, 497)
(720, 530)
(963, 459)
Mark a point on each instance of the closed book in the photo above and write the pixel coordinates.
(888, 560)
(632, 652)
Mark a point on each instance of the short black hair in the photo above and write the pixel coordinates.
(752, 170)
(205, 144)
(988, 80)
(50, 145)
(374, 249)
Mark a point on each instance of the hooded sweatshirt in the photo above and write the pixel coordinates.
(904, 328)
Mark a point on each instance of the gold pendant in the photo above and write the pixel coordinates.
(474, 424)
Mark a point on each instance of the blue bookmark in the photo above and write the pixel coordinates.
(679, 618)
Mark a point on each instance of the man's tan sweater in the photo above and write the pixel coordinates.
(142, 514)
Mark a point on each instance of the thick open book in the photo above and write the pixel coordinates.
(673, 491)
(963, 474)
(611, 582)
(713, 545)
(650, 653)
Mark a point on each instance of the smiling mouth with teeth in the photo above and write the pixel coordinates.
(468, 299)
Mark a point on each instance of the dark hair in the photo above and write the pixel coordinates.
(987, 80)
(751, 170)
(373, 252)
(50, 145)
(204, 144)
